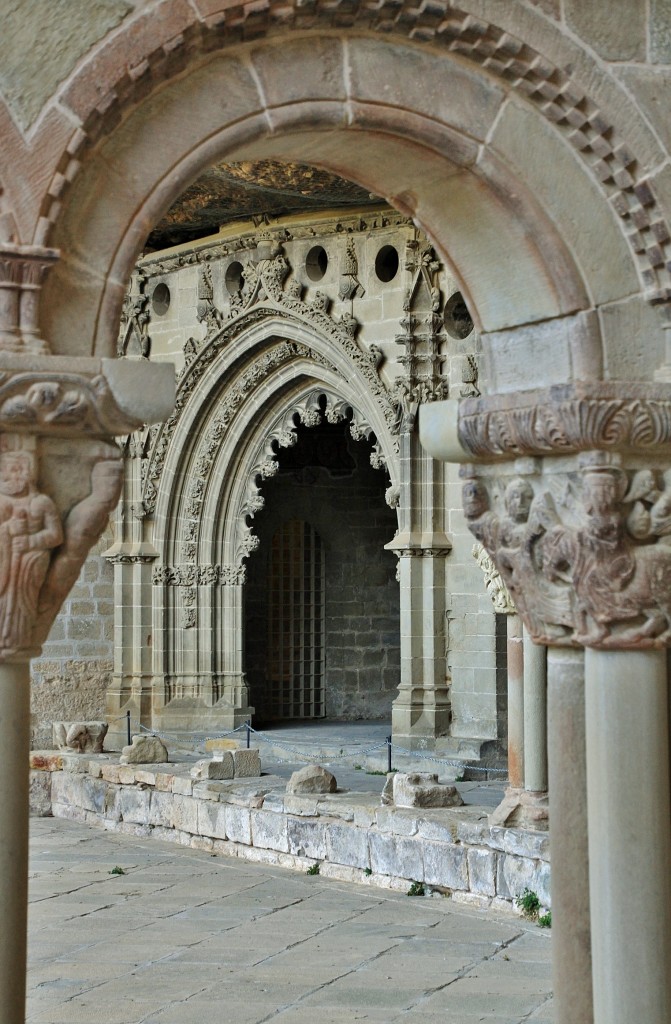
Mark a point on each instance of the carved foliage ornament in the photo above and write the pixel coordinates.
(218, 574)
(565, 419)
(584, 552)
(251, 378)
(495, 586)
(263, 295)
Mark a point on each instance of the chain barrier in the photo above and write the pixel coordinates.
(323, 756)
(453, 764)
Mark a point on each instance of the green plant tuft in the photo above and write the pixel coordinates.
(416, 889)
(531, 906)
(116, 871)
(314, 870)
(368, 871)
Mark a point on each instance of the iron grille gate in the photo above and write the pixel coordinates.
(296, 622)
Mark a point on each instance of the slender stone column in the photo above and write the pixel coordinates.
(629, 834)
(572, 959)
(515, 703)
(535, 716)
(15, 746)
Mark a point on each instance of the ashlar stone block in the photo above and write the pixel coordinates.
(238, 824)
(396, 855)
(445, 865)
(482, 871)
(40, 794)
(135, 805)
(306, 838)
(246, 763)
(218, 768)
(212, 820)
(348, 845)
(269, 830)
(185, 813)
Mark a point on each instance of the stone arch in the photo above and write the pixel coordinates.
(305, 409)
(295, 358)
(241, 395)
(463, 155)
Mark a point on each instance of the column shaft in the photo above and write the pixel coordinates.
(515, 703)
(535, 716)
(629, 835)
(571, 961)
(15, 745)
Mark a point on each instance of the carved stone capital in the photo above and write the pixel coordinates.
(73, 397)
(22, 272)
(60, 468)
(583, 545)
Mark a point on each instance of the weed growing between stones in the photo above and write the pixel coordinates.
(314, 870)
(531, 906)
(416, 889)
(116, 871)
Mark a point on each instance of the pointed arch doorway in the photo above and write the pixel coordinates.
(322, 635)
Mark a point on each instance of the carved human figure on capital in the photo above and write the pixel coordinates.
(83, 526)
(584, 577)
(515, 541)
(30, 527)
(622, 588)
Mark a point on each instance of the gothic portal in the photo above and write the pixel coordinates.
(284, 549)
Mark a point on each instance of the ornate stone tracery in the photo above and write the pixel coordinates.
(135, 316)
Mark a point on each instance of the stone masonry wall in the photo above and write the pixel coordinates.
(350, 836)
(70, 679)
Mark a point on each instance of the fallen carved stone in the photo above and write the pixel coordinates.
(82, 737)
(144, 750)
(247, 763)
(312, 779)
(419, 789)
(219, 768)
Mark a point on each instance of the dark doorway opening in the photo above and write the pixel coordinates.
(322, 600)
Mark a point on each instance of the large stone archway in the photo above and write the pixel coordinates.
(500, 128)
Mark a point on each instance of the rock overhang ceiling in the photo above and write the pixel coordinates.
(258, 189)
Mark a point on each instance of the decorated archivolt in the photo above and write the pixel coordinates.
(267, 288)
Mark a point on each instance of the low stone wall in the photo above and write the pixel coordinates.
(351, 836)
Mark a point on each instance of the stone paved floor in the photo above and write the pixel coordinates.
(183, 936)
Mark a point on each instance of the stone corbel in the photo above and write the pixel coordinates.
(568, 490)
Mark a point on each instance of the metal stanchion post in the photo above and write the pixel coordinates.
(388, 753)
(248, 728)
(128, 727)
